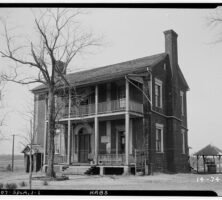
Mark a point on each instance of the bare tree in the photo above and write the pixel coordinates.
(2, 113)
(214, 21)
(60, 40)
(28, 142)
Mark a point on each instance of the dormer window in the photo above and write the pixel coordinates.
(158, 93)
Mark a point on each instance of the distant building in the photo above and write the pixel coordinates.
(115, 119)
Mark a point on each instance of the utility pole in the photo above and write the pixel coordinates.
(13, 143)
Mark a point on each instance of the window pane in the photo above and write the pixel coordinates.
(158, 140)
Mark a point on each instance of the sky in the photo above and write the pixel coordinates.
(129, 34)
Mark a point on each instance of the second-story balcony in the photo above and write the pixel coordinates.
(105, 107)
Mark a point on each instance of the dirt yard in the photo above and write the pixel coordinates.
(155, 182)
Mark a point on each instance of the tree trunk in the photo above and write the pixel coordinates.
(30, 168)
(51, 132)
(30, 156)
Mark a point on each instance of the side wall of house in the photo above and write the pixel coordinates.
(172, 158)
(181, 159)
(159, 160)
(39, 118)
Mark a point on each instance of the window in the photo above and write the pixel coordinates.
(121, 92)
(158, 93)
(159, 138)
(183, 141)
(150, 90)
(121, 95)
(57, 141)
(182, 102)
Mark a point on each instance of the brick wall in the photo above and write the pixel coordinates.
(39, 118)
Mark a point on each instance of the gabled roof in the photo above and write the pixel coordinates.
(209, 150)
(182, 78)
(111, 71)
(36, 148)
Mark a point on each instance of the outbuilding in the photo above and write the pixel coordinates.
(211, 159)
(37, 157)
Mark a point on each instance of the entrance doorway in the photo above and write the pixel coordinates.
(120, 142)
(84, 145)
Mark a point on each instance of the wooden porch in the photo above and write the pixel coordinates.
(105, 107)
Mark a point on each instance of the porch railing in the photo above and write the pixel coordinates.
(83, 110)
(118, 105)
(114, 159)
(136, 107)
(112, 106)
(111, 159)
(58, 159)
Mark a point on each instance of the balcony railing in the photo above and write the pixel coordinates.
(82, 111)
(136, 107)
(118, 105)
(112, 106)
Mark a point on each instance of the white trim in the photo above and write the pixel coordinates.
(86, 126)
(158, 81)
(160, 84)
(183, 141)
(100, 116)
(182, 102)
(160, 127)
(36, 117)
(45, 132)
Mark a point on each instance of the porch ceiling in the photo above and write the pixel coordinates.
(102, 117)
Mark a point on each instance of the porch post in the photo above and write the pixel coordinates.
(197, 164)
(45, 134)
(204, 163)
(127, 117)
(108, 123)
(96, 124)
(69, 130)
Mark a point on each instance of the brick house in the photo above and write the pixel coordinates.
(126, 108)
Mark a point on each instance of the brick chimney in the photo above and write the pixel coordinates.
(171, 49)
(61, 67)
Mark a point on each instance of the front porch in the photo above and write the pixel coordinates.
(107, 163)
(104, 137)
(103, 159)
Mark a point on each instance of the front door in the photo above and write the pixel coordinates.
(120, 142)
(84, 147)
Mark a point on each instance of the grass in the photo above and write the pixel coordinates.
(158, 181)
(10, 186)
(5, 164)
(22, 184)
(45, 183)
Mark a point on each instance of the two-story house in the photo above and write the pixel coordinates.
(122, 109)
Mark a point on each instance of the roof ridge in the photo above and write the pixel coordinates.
(124, 62)
(87, 76)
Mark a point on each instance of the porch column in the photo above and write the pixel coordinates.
(108, 123)
(219, 164)
(96, 124)
(127, 118)
(69, 130)
(45, 134)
